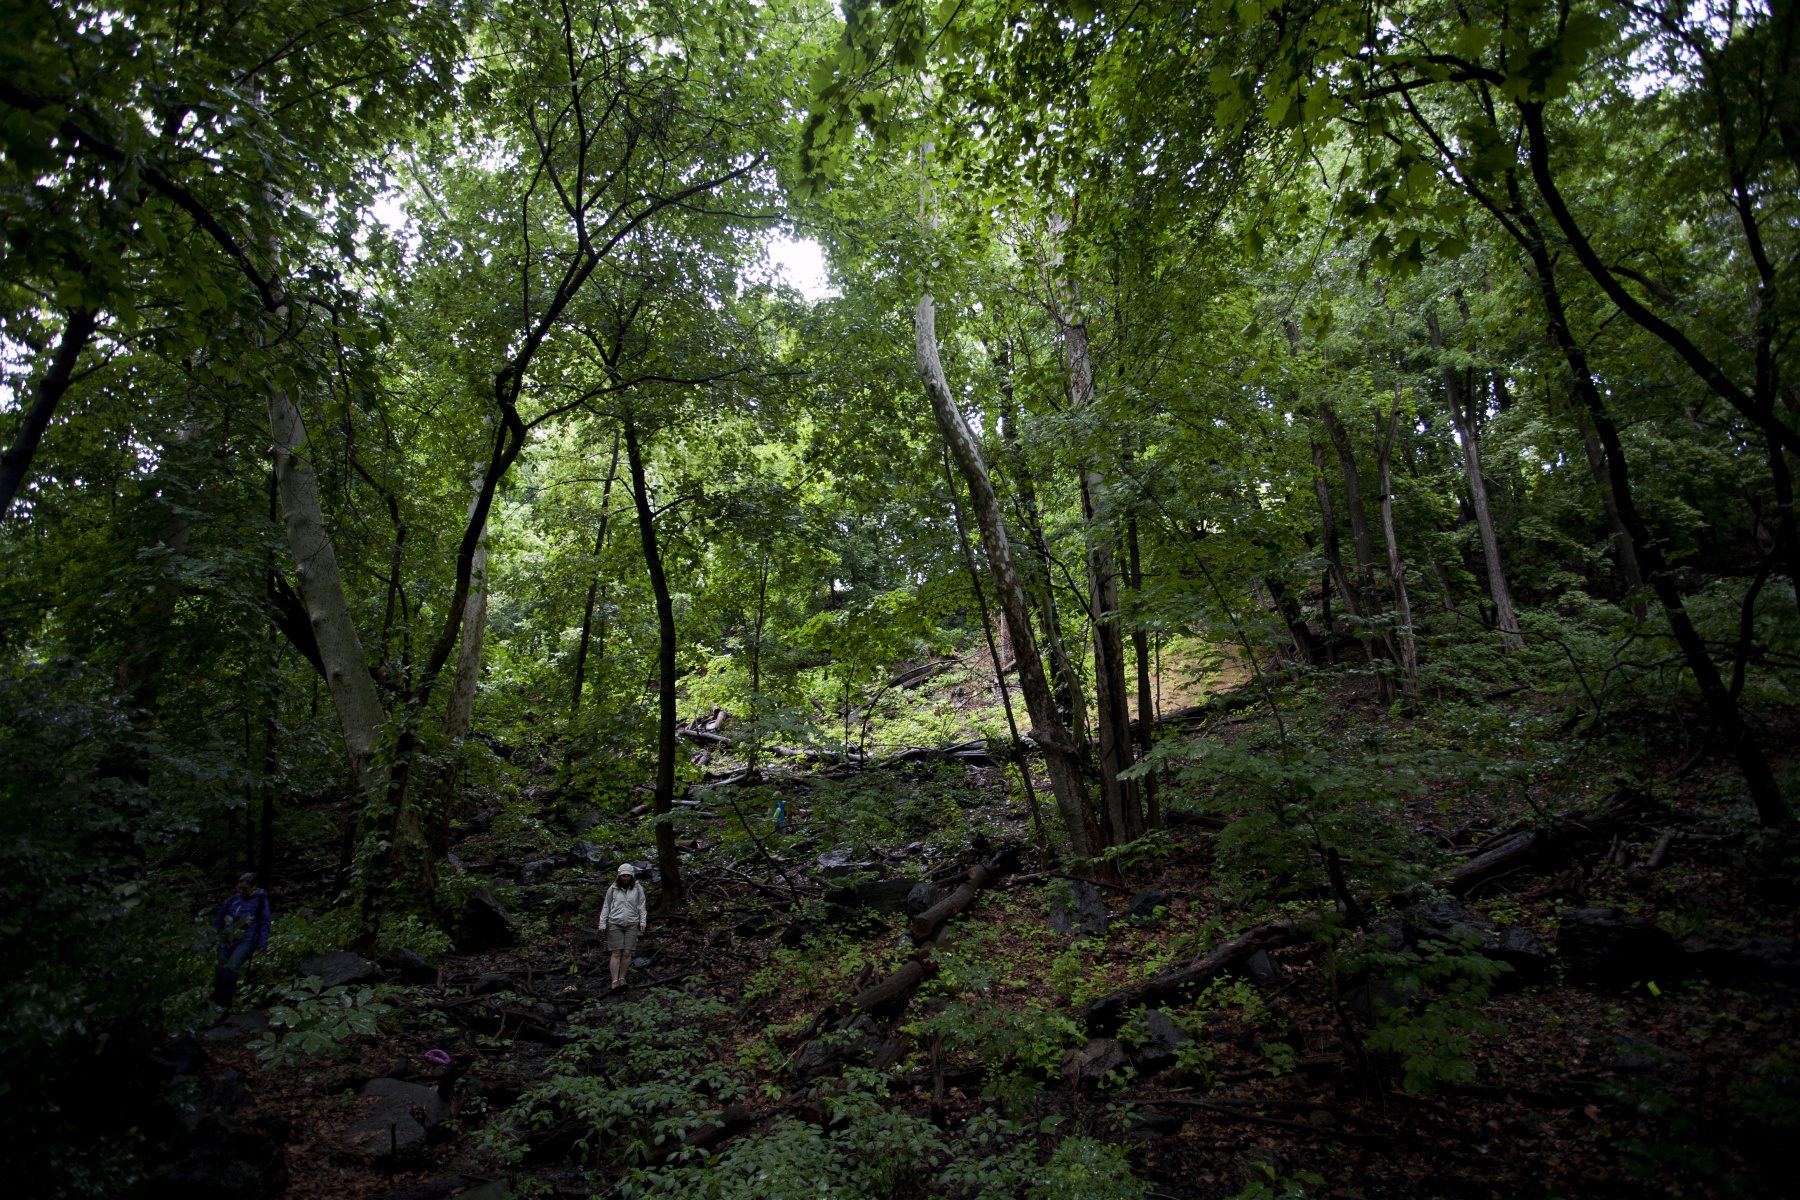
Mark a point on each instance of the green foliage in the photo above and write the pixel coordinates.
(1274, 1186)
(1006, 1040)
(1443, 986)
(319, 1022)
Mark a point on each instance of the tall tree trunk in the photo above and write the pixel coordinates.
(1288, 609)
(1364, 592)
(15, 463)
(1409, 651)
(667, 857)
(1140, 647)
(459, 712)
(1328, 535)
(1036, 578)
(321, 588)
(1062, 760)
(1469, 435)
(1123, 818)
(1624, 549)
(987, 627)
(587, 616)
(1759, 779)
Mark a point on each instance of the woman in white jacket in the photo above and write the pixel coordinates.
(623, 915)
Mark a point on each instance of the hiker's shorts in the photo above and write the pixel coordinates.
(621, 937)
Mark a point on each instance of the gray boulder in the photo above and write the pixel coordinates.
(1448, 921)
(1144, 904)
(1604, 946)
(921, 896)
(839, 862)
(851, 1041)
(337, 970)
(396, 1120)
(884, 896)
(1721, 955)
(1164, 1039)
(1263, 968)
(1088, 1065)
(538, 870)
(486, 925)
(1087, 917)
(492, 982)
(238, 1025)
(410, 965)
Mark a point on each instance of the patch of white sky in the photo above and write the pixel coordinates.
(800, 263)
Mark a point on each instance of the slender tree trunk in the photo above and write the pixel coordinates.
(1409, 652)
(587, 616)
(321, 588)
(1037, 581)
(15, 464)
(1291, 616)
(1140, 646)
(459, 705)
(1624, 550)
(1328, 534)
(667, 857)
(1364, 592)
(1469, 435)
(1122, 818)
(987, 627)
(1061, 758)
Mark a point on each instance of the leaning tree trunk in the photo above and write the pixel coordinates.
(1409, 651)
(1468, 434)
(1624, 550)
(1328, 533)
(1061, 759)
(15, 463)
(668, 860)
(1039, 590)
(321, 588)
(1123, 819)
(1759, 779)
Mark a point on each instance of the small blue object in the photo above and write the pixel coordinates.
(781, 811)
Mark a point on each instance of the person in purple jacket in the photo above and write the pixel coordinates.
(243, 925)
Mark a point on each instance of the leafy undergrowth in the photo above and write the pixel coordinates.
(1300, 1078)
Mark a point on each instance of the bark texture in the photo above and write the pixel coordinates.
(1409, 646)
(1469, 435)
(321, 589)
(15, 463)
(1046, 728)
(667, 856)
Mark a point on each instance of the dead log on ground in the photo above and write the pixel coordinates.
(1108, 1013)
(950, 905)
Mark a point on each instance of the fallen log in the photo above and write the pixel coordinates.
(891, 988)
(950, 905)
(1108, 1013)
(1551, 842)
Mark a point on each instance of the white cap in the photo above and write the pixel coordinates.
(627, 869)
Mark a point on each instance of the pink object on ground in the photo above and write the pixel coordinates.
(439, 1057)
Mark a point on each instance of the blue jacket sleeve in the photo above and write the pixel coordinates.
(219, 917)
(259, 924)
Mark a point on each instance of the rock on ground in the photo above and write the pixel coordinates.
(1144, 904)
(1163, 1040)
(1088, 1065)
(921, 896)
(337, 970)
(1088, 916)
(1604, 946)
(486, 925)
(394, 1127)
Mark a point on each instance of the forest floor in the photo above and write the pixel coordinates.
(1626, 1089)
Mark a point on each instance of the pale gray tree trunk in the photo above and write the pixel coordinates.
(1469, 435)
(1409, 651)
(459, 707)
(321, 588)
(1060, 756)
